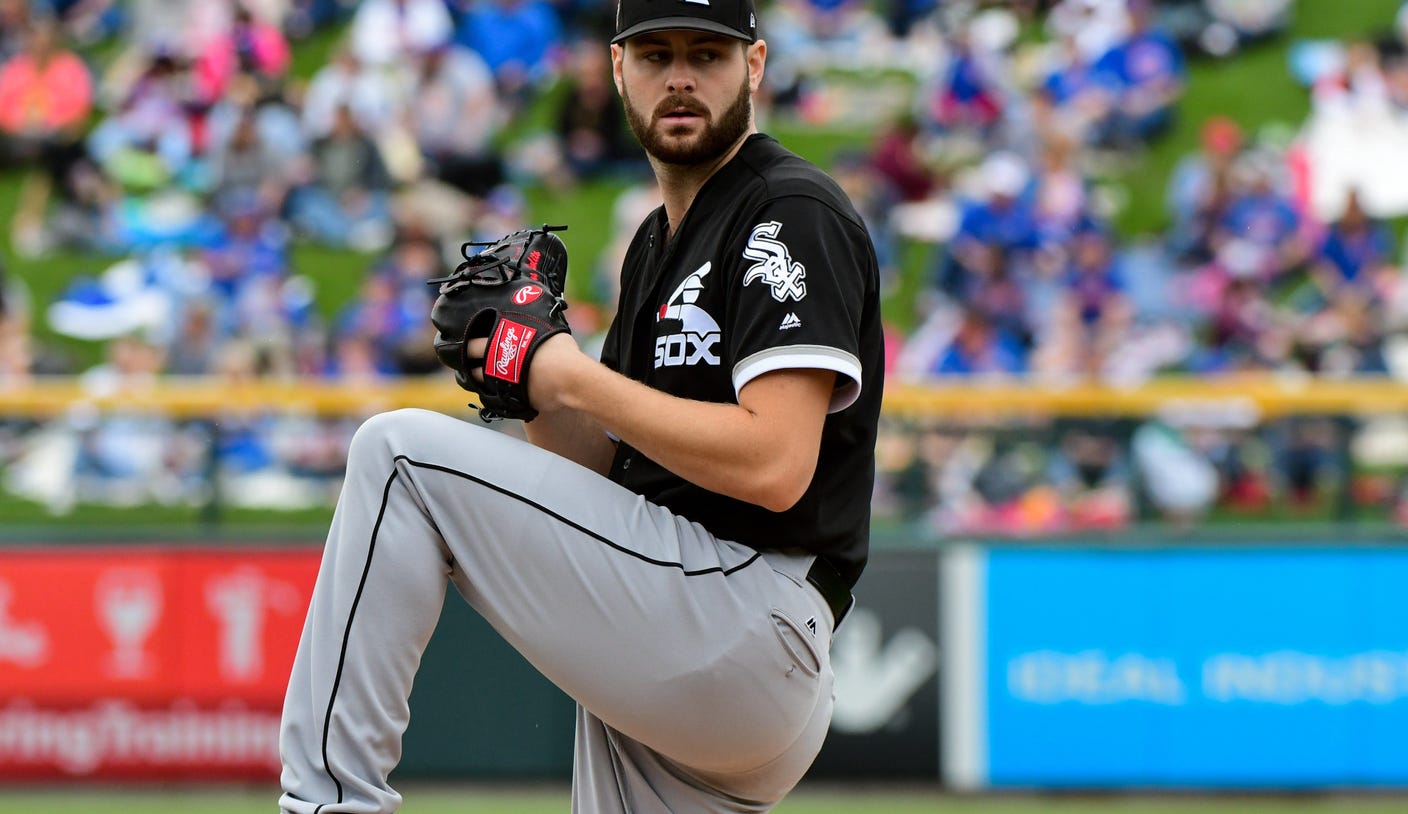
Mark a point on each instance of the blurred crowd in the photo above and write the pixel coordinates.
(191, 146)
(1278, 257)
(181, 147)
(1030, 277)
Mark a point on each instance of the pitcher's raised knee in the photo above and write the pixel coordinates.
(408, 431)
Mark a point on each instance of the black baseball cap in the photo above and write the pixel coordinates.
(731, 18)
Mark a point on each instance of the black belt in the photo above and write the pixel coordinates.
(833, 588)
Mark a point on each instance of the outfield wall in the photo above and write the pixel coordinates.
(1078, 665)
(1228, 667)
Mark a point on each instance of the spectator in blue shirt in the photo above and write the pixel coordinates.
(1094, 285)
(252, 290)
(1353, 249)
(980, 348)
(1145, 75)
(967, 96)
(521, 41)
(252, 244)
(391, 326)
(1072, 76)
(1262, 224)
(1079, 102)
(1094, 306)
(1000, 228)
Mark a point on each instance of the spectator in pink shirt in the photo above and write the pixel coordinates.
(252, 46)
(44, 90)
(46, 94)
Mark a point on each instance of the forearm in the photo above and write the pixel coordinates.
(574, 435)
(726, 448)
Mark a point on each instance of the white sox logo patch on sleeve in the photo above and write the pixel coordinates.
(693, 343)
(505, 356)
(773, 264)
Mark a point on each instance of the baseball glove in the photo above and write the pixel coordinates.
(510, 292)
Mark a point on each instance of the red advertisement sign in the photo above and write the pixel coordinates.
(151, 662)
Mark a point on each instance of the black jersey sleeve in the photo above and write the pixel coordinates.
(804, 272)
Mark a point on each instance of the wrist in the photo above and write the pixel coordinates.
(571, 382)
(554, 373)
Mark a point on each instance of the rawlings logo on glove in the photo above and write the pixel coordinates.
(509, 340)
(526, 294)
(511, 294)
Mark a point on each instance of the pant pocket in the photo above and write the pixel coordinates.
(799, 641)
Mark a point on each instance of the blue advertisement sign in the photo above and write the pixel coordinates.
(1246, 667)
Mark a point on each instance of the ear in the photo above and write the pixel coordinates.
(618, 54)
(757, 58)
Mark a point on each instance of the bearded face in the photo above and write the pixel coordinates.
(681, 143)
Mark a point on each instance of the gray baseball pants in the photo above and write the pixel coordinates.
(700, 667)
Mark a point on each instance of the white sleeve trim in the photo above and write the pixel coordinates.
(816, 357)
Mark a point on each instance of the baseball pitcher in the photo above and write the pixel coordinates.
(678, 543)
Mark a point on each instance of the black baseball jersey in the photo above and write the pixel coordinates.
(770, 269)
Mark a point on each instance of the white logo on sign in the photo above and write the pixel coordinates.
(790, 321)
(26, 644)
(773, 264)
(129, 602)
(698, 334)
(240, 601)
(1094, 677)
(1292, 678)
(875, 679)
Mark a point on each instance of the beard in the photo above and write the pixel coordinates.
(714, 141)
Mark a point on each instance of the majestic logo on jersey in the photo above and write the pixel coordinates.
(790, 321)
(694, 342)
(773, 264)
